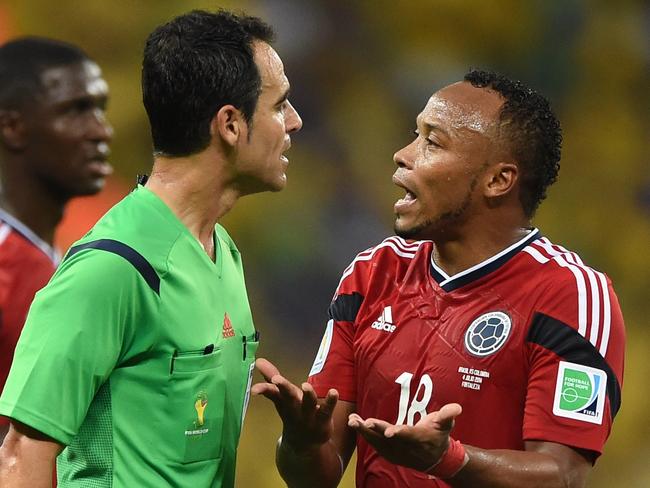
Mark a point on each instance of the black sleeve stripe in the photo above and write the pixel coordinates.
(346, 307)
(571, 346)
(131, 255)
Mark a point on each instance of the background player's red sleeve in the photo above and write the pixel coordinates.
(576, 343)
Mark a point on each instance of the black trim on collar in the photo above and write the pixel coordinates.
(451, 283)
(137, 260)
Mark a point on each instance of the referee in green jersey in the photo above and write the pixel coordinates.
(135, 363)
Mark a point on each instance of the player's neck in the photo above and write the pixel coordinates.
(197, 191)
(469, 249)
(34, 204)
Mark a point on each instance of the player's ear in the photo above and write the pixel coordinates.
(229, 125)
(13, 132)
(501, 179)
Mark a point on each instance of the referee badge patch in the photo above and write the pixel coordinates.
(323, 350)
(580, 393)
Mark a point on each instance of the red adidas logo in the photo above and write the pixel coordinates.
(228, 331)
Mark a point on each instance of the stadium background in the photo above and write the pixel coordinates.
(360, 72)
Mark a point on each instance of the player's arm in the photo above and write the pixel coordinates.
(427, 447)
(27, 458)
(542, 464)
(316, 444)
(318, 465)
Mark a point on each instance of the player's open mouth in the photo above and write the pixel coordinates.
(407, 200)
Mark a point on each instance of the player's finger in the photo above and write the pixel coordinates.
(397, 431)
(288, 391)
(365, 429)
(446, 415)
(266, 368)
(309, 400)
(354, 420)
(264, 389)
(269, 391)
(376, 425)
(326, 408)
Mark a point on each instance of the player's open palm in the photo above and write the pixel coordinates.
(307, 421)
(419, 446)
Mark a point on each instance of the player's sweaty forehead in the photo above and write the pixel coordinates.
(462, 107)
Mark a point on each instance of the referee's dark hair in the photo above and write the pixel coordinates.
(528, 124)
(194, 65)
(23, 61)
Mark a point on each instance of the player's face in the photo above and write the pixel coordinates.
(68, 134)
(262, 164)
(440, 170)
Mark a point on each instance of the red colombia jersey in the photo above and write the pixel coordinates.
(26, 265)
(530, 342)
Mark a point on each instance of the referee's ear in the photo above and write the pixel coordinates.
(229, 125)
(13, 133)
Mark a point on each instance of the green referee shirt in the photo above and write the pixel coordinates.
(138, 355)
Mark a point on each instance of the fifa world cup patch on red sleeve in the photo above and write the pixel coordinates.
(580, 392)
(323, 350)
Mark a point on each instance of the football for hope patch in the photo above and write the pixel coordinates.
(323, 350)
(580, 392)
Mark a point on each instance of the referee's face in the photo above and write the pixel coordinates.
(262, 163)
(68, 136)
(441, 170)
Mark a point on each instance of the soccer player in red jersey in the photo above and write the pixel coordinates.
(53, 146)
(470, 350)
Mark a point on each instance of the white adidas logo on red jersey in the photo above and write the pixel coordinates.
(385, 321)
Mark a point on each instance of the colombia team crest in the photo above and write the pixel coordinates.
(488, 333)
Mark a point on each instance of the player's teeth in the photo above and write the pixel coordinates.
(409, 196)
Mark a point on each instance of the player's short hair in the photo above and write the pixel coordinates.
(194, 65)
(529, 126)
(23, 61)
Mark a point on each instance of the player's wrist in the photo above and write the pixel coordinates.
(308, 451)
(451, 462)
(298, 445)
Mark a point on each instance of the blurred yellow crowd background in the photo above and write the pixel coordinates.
(360, 72)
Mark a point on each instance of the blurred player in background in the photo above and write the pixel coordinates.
(470, 309)
(138, 355)
(53, 146)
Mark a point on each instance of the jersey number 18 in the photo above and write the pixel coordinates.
(418, 403)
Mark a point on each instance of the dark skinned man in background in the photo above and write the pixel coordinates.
(54, 140)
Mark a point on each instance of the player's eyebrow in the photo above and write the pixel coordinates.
(436, 128)
(432, 127)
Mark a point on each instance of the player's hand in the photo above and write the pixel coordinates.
(419, 446)
(307, 421)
